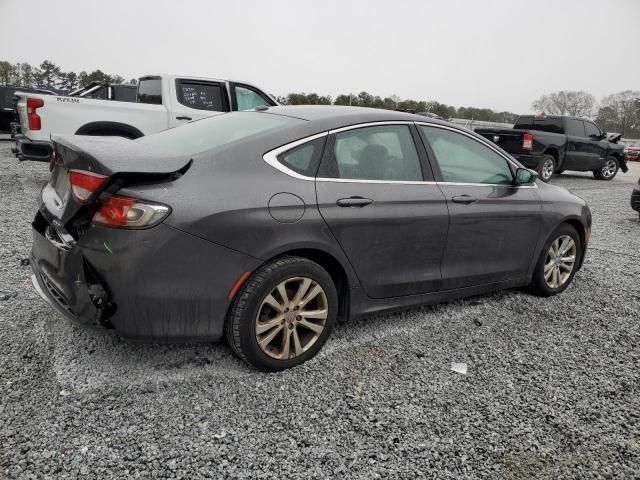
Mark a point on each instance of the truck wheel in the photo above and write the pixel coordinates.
(546, 168)
(608, 170)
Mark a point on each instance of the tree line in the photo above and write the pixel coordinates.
(617, 112)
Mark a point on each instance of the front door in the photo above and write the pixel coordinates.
(494, 224)
(390, 222)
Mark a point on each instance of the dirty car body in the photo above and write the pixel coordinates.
(223, 203)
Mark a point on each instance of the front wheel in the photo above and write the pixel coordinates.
(557, 263)
(546, 168)
(283, 314)
(608, 170)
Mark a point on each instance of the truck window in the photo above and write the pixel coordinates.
(591, 130)
(200, 95)
(524, 123)
(248, 99)
(575, 127)
(551, 125)
(150, 90)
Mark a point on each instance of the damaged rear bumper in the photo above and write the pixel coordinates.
(157, 284)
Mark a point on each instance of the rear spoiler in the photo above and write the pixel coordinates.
(130, 161)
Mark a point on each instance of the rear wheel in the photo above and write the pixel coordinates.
(608, 170)
(557, 263)
(546, 168)
(283, 314)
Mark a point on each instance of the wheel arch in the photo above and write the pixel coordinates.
(553, 151)
(581, 228)
(91, 128)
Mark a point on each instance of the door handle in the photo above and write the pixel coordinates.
(183, 118)
(354, 202)
(466, 199)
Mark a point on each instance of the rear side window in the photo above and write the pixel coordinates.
(575, 127)
(385, 152)
(213, 132)
(150, 91)
(551, 125)
(200, 95)
(305, 158)
(465, 160)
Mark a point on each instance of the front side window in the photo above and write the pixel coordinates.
(385, 152)
(591, 130)
(575, 127)
(465, 160)
(200, 95)
(247, 99)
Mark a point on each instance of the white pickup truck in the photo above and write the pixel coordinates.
(163, 101)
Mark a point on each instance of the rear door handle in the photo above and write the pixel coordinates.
(183, 118)
(466, 199)
(354, 202)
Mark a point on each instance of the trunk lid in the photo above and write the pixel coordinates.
(124, 162)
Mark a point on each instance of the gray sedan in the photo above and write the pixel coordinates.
(266, 226)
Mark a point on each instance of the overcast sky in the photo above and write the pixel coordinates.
(500, 54)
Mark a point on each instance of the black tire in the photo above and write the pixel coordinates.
(538, 284)
(241, 320)
(608, 170)
(546, 168)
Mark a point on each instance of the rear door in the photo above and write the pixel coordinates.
(383, 207)
(193, 99)
(494, 225)
(573, 159)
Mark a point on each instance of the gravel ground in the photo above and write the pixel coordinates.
(552, 388)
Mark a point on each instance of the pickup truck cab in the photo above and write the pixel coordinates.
(162, 102)
(553, 144)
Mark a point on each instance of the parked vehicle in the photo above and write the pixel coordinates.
(635, 197)
(7, 103)
(553, 144)
(107, 91)
(163, 101)
(632, 153)
(265, 226)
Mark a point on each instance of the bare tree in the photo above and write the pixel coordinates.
(620, 112)
(576, 104)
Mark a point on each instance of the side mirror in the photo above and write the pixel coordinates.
(525, 176)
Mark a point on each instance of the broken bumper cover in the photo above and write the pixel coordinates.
(36, 150)
(157, 284)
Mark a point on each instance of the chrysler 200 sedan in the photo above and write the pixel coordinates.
(266, 226)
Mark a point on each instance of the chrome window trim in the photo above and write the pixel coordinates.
(271, 157)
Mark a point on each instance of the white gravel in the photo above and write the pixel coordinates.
(551, 390)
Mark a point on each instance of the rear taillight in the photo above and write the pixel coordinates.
(33, 118)
(84, 184)
(527, 141)
(126, 212)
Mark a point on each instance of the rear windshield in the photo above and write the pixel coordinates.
(551, 125)
(213, 132)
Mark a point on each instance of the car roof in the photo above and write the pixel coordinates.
(336, 116)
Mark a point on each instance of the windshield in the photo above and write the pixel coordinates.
(216, 131)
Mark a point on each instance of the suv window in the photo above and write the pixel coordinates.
(200, 95)
(466, 160)
(150, 90)
(575, 127)
(385, 152)
(591, 130)
(248, 99)
(305, 158)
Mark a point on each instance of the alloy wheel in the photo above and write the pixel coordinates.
(609, 169)
(291, 318)
(560, 261)
(547, 169)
